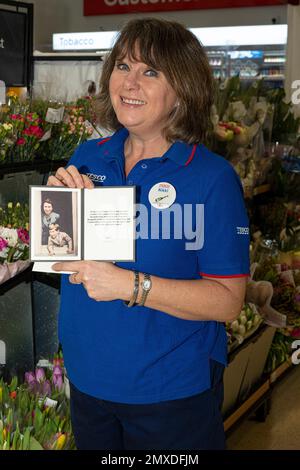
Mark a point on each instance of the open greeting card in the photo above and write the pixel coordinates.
(70, 224)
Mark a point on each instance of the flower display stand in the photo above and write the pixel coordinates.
(28, 317)
(246, 388)
(17, 323)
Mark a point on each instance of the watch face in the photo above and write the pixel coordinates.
(147, 284)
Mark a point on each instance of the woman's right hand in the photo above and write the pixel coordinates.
(70, 178)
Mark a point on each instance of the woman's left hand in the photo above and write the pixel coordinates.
(102, 280)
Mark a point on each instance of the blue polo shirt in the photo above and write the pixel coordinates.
(140, 355)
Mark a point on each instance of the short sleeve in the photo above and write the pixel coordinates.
(225, 250)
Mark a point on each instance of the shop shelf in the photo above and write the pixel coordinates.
(280, 370)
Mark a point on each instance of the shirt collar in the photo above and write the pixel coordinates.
(180, 152)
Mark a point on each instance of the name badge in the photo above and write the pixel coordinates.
(162, 195)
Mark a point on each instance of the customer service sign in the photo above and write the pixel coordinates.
(110, 7)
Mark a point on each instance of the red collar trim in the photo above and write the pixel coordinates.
(191, 156)
(103, 141)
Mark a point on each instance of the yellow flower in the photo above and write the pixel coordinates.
(7, 127)
(60, 442)
(0, 395)
(12, 94)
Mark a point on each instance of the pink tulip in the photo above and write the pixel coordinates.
(57, 377)
(46, 388)
(30, 377)
(57, 370)
(58, 381)
(40, 374)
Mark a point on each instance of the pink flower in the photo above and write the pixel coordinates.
(3, 243)
(30, 378)
(21, 141)
(58, 382)
(295, 333)
(23, 235)
(40, 374)
(57, 370)
(36, 131)
(57, 377)
(30, 116)
(17, 117)
(46, 388)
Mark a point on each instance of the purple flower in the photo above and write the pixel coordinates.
(30, 377)
(57, 377)
(46, 388)
(23, 235)
(32, 382)
(57, 370)
(3, 243)
(58, 382)
(40, 374)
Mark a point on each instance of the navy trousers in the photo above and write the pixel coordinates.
(193, 423)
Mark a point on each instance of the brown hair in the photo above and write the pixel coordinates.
(48, 201)
(169, 47)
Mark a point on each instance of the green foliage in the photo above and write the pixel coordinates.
(285, 125)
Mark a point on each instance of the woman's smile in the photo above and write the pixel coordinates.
(132, 101)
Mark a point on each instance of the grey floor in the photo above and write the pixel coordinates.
(281, 430)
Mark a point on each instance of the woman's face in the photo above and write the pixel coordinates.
(141, 97)
(48, 208)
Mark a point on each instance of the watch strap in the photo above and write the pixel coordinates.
(145, 292)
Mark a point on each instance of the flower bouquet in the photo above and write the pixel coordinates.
(21, 130)
(35, 415)
(67, 127)
(14, 240)
(242, 119)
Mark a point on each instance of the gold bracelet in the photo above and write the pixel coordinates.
(132, 301)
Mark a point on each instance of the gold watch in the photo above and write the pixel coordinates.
(146, 285)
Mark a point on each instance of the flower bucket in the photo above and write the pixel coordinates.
(9, 270)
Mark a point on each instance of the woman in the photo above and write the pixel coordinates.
(48, 217)
(146, 367)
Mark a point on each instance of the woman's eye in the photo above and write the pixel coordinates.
(122, 66)
(151, 73)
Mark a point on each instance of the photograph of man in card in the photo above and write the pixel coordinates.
(58, 239)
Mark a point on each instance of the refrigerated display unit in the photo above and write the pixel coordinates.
(250, 52)
(267, 62)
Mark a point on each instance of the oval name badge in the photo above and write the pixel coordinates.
(162, 195)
